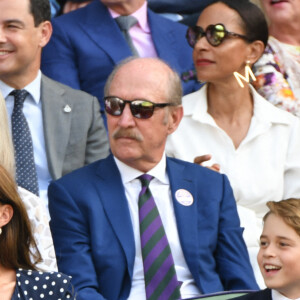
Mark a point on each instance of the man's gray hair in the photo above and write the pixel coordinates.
(173, 89)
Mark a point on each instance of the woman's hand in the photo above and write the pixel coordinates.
(202, 158)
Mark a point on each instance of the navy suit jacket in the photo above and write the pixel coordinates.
(94, 241)
(260, 295)
(86, 45)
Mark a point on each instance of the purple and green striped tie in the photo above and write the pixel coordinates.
(159, 270)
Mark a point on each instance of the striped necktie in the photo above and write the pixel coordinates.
(26, 170)
(159, 270)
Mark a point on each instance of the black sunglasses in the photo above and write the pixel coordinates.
(141, 109)
(215, 34)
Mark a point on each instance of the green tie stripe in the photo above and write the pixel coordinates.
(159, 270)
(153, 241)
(156, 264)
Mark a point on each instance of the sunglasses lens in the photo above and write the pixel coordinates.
(142, 109)
(114, 106)
(215, 34)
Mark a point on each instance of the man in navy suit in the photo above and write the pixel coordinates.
(87, 43)
(95, 218)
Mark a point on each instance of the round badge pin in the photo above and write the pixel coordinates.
(184, 197)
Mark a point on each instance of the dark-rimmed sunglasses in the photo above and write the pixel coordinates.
(141, 109)
(215, 34)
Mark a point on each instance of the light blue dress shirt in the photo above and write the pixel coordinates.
(33, 113)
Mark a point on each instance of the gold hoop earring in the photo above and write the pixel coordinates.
(248, 72)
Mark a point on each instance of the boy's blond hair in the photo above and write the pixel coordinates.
(288, 210)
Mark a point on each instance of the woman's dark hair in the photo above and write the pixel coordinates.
(253, 20)
(16, 238)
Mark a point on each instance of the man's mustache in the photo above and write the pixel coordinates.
(127, 133)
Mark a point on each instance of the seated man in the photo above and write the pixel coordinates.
(113, 238)
(55, 129)
(86, 44)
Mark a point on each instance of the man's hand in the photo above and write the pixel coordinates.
(69, 6)
(202, 158)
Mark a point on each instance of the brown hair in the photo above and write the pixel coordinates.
(288, 210)
(16, 238)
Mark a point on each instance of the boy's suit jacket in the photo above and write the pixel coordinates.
(73, 129)
(86, 44)
(260, 295)
(94, 241)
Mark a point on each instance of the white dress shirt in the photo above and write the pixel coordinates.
(33, 113)
(160, 189)
(265, 166)
(277, 296)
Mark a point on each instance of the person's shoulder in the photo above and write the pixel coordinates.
(267, 111)
(154, 17)
(61, 88)
(50, 285)
(88, 172)
(259, 295)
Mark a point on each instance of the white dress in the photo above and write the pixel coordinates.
(265, 166)
(39, 219)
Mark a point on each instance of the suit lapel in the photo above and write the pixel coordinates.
(163, 38)
(107, 34)
(56, 123)
(115, 204)
(186, 216)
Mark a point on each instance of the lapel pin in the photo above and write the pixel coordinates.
(184, 197)
(67, 108)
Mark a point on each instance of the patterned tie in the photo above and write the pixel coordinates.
(26, 172)
(159, 270)
(125, 23)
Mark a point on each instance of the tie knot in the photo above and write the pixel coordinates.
(126, 22)
(20, 96)
(145, 179)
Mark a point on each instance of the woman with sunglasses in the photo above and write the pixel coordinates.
(254, 143)
(19, 277)
(278, 70)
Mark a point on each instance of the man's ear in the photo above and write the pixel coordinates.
(256, 50)
(175, 116)
(45, 33)
(6, 213)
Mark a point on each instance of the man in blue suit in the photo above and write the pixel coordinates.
(87, 43)
(97, 211)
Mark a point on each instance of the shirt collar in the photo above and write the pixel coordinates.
(33, 88)
(140, 14)
(195, 105)
(128, 173)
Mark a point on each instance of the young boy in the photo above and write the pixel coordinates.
(279, 254)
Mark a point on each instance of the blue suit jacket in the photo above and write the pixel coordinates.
(94, 241)
(86, 44)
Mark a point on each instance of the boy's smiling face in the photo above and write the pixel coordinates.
(279, 257)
